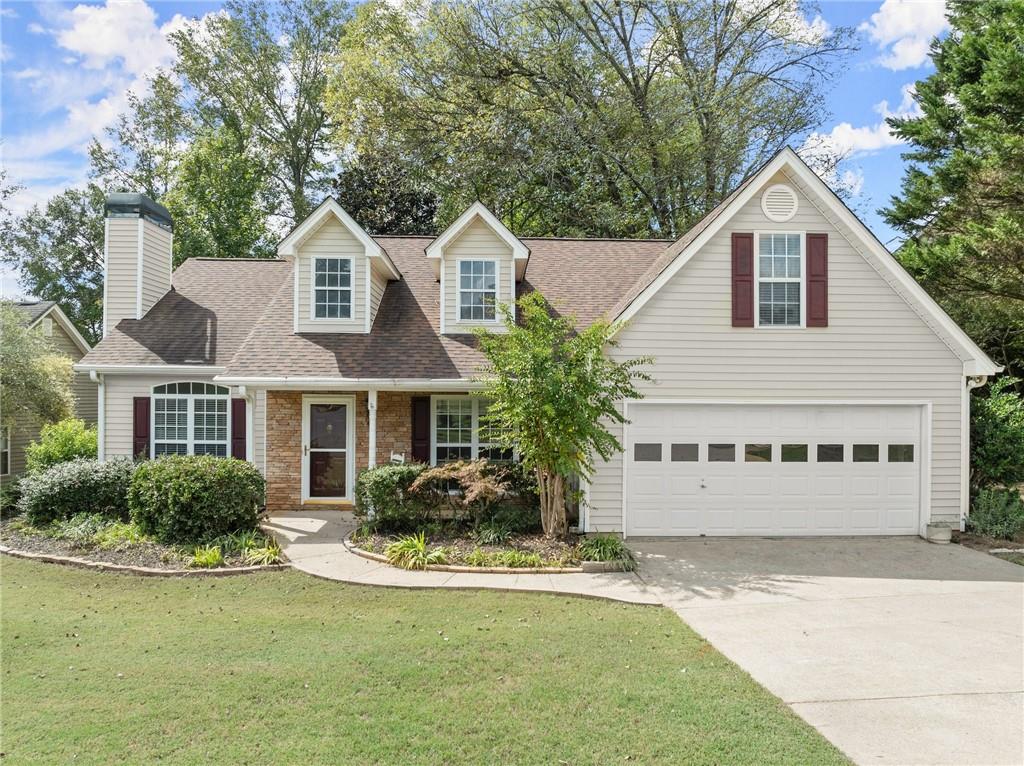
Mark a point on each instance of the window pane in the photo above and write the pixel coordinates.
(477, 290)
(332, 294)
(721, 453)
(794, 453)
(901, 453)
(684, 453)
(647, 453)
(830, 453)
(757, 453)
(865, 453)
(453, 454)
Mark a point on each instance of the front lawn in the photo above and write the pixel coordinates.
(282, 668)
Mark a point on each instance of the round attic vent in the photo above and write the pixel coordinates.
(779, 202)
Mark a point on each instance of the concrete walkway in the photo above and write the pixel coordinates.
(898, 651)
(312, 542)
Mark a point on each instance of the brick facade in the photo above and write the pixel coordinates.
(284, 440)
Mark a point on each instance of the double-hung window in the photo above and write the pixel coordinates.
(478, 291)
(332, 288)
(779, 280)
(190, 419)
(460, 432)
(5, 450)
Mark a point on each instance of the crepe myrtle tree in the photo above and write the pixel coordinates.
(552, 395)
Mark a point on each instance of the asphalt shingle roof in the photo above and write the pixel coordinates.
(32, 310)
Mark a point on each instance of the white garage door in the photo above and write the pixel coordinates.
(729, 469)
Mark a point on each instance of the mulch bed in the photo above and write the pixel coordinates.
(461, 545)
(152, 555)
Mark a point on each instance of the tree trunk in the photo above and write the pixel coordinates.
(551, 488)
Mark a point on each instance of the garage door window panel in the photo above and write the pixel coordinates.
(794, 453)
(830, 453)
(901, 453)
(865, 453)
(685, 453)
(721, 453)
(757, 453)
(647, 452)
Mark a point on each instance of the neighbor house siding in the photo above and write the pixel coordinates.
(332, 239)
(121, 270)
(875, 347)
(477, 242)
(156, 264)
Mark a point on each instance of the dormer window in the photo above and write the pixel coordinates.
(332, 288)
(478, 291)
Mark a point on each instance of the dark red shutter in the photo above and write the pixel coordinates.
(421, 429)
(742, 280)
(238, 428)
(140, 427)
(817, 280)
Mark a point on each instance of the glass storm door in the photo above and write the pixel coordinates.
(326, 451)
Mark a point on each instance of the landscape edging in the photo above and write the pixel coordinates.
(104, 566)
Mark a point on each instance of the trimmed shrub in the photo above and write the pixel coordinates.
(60, 442)
(997, 513)
(606, 548)
(193, 499)
(77, 486)
(383, 499)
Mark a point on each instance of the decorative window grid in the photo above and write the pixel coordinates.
(478, 290)
(780, 280)
(190, 419)
(332, 288)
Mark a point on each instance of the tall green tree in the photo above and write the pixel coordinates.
(377, 190)
(57, 249)
(552, 393)
(34, 378)
(961, 205)
(606, 117)
(268, 64)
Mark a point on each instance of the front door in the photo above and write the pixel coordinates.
(326, 447)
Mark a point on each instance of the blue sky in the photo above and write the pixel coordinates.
(65, 69)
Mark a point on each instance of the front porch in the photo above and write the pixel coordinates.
(377, 425)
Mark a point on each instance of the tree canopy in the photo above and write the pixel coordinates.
(961, 200)
(34, 377)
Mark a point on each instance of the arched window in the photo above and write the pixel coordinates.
(191, 419)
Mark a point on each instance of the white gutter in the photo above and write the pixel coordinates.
(101, 413)
(353, 384)
(148, 369)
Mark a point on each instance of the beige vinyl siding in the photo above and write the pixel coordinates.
(156, 264)
(875, 348)
(120, 392)
(477, 242)
(332, 239)
(24, 430)
(121, 270)
(83, 389)
(378, 283)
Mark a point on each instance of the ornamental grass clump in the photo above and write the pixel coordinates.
(411, 552)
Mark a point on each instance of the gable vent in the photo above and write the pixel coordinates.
(779, 202)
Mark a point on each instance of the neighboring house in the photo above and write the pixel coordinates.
(804, 384)
(47, 318)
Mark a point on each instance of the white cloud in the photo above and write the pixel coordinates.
(8, 13)
(853, 180)
(849, 141)
(122, 31)
(903, 31)
(36, 28)
(5, 52)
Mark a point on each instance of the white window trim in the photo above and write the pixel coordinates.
(9, 442)
(459, 291)
(190, 410)
(351, 318)
(802, 280)
(474, 443)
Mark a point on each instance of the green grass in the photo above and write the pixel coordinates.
(282, 668)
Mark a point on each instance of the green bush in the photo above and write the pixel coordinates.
(384, 502)
(493, 532)
(997, 436)
(206, 557)
(606, 548)
(9, 494)
(997, 513)
(60, 442)
(193, 499)
(77, 486)
(517, 560)
(411, 552)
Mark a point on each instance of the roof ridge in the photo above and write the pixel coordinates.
(275, 259)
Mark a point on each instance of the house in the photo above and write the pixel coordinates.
(804, 384)
(47, 318)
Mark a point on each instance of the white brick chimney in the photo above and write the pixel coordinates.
(138, 236)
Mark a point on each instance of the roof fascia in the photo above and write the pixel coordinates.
(67, 325)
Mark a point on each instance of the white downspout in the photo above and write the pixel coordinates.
(973, 381)
(101, 430)
(371, 405)
(250, 407)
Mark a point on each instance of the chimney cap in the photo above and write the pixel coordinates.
(131, 205)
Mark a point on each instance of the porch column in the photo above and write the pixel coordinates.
(371, 405)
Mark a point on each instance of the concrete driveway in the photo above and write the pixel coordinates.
(898, 651)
